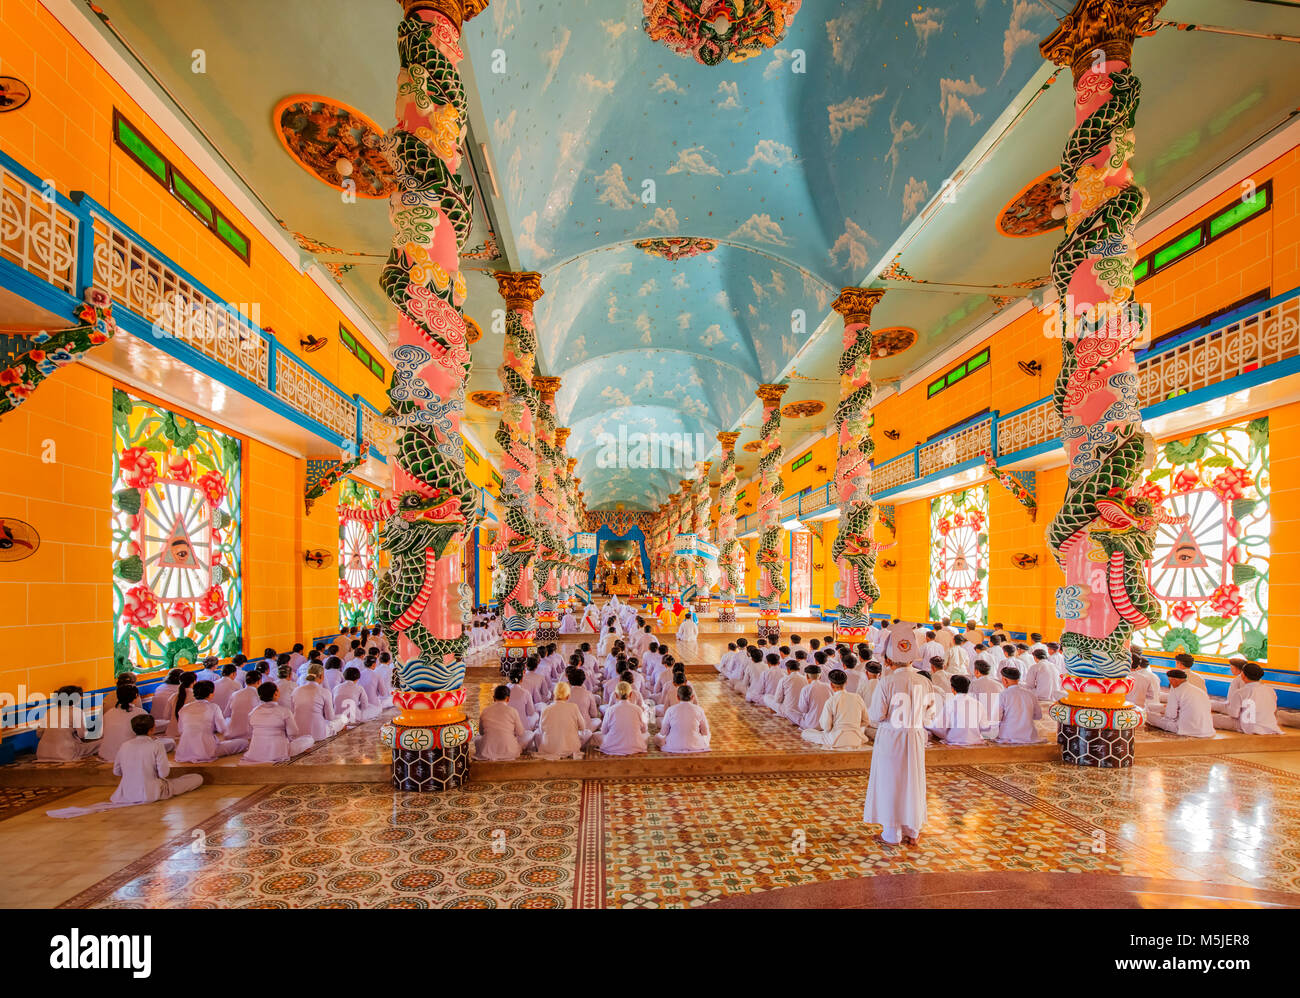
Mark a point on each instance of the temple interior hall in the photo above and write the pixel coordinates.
(649, 454)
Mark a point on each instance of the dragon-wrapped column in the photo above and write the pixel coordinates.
(548, 562)
(771, 583)
(731, 564)
(853, 550)
(705, 570)
(422, 598)
(1102, 534)
(521, 536)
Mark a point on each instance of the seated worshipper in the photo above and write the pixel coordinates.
(568, 623)
(985, 688)
(372, 682)
(276, 737)
(583, 697)
(963, 720)
(725, 660)
(624, 729)
(284, 681)
(521, 699)
(1251, 708)
(116, 723)
(63, 736)
(351, 700)
(241, 705)
(1185, 662)
(684, 728)
(1057, 659)
(562, 730)
(1187, 711)
(202, 727)
(606, 642)
(161, 705)
(333, 673)
(297, 657)
(534, 681)
(1234, 670)
(867, 688)
(313, 707)
(208, 672)
(1041, 678)
(1016, 711)
(142, 764)
(932, 649)
(939, 676)
(1145, 691)
(671, 692)
(502, 736)
(300, 674)
(688, 631)
(755, 668)
(843, 718)
(813, 697)
(785, 699)
(226, 687)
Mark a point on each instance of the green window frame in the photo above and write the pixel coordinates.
(958, 373)
(1203, 233)
(354, 346)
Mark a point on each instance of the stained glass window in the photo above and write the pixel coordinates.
(1210, 573)
(177, 594)
(959, 555)
(358, 556)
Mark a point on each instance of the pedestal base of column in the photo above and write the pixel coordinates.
(429, 760)
(850, 635)
(1096, 736)
(547, 632)
(701, 604)
(769, 627)
(517, 646)
(727, 611)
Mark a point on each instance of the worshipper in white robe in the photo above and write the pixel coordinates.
(1187, 711)
(285, 683)
(117, 729)
(985, 688)
(63, 730)
(534, 681)
(1251, 708)
(208, 673)
(624, 729)
(313, 708)
(1017, 710)
(568, 623)
(502, 736)
(1057, 659)
(369, 681)
(562, 731)
(939, 676)
(240, 706)
(688, 631)
(1185, 662)
(1040, 678)
(1234, 683)
(227, 686)
(843, 718)
(203, 729)
(813, 697)
(587, 702)
(896, 787)
(963, 720)
(351, 699)
(384, 679)
(1145, 691)
(726, 660)
(684, 727)
(671, 693)
(276, 737)
(296, 657)
(161, 704)
(786, 695)
(141, 762)
(930, 650)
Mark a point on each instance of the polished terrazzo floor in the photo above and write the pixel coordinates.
(1230, 824)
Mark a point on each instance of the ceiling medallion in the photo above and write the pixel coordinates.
(1030, 213)
(14, 93)
(709, 31)
(893, 340)
(753, 446)
(801, 410)
(473, 331)
(488, 400)
(334, 143)
(676, 247)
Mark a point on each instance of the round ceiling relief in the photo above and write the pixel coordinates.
(473, 331)
(336, 144)
(676, 247)
(710, 31)
(894, 340)
(1029, 213)
(753, 446)
(487, 400)
(804, 409)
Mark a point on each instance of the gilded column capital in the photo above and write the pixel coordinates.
(771, 393)
(561, 432)
(456, 11)
(519, 288)
(728, 440)
(547, 386)
(855, 304)
(1106, 25)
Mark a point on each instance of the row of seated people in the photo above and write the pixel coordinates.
(613, 705)
(484, 628)
(244, 710)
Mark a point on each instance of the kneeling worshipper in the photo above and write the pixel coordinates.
(1187, 711)
(568, 623)
(843, 718)
(562, 730)
(684, 727)
(351, 699)
(814, 695)
(623, 730)
(241, 705)
(963, 719)
(161, 705)
(313, 707)
(1251, 707)
(689, 629)
(1016, 711)
(276, 736)
(202, 726)
(896, 787)
(141, 762)
(117, 724)
(502, 736)
(1145, 691)
(63, 736)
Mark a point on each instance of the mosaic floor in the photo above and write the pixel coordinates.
(1213, 821)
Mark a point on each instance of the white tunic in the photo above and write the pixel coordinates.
(202, 730)
(275, 734)
(142, 765)
(963, 721)
(842, 720)
(1017, 710)
(896, 786)
(684, 728)
(561, 730)
(624, 730)
(313, 710)
(502, 733)
(1255, 706)
(237, 711)
(1188, 712)
(117, 730)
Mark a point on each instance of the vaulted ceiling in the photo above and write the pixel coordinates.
(813, 165)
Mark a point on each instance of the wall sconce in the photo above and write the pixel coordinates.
(1030, 367)
(892, 434)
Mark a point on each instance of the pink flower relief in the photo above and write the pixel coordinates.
(214, 487)
(1182, 611)
(139, 606)
(1150, 490)
(1232, 483)
(1186, 480)
(180, 616)
(180, 468)
(212, 604)
(1227, 601)
(139, 468)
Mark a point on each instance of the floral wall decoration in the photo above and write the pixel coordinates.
(1023, 485)
(177, 575)
(1210, 574)
(959, 555)
(358, 555)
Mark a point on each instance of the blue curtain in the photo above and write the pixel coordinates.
(607, 534)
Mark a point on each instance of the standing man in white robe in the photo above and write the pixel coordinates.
(896, 787)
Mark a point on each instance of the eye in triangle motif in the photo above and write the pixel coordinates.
(1185, 552)
(177, 550)
(959, 564)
